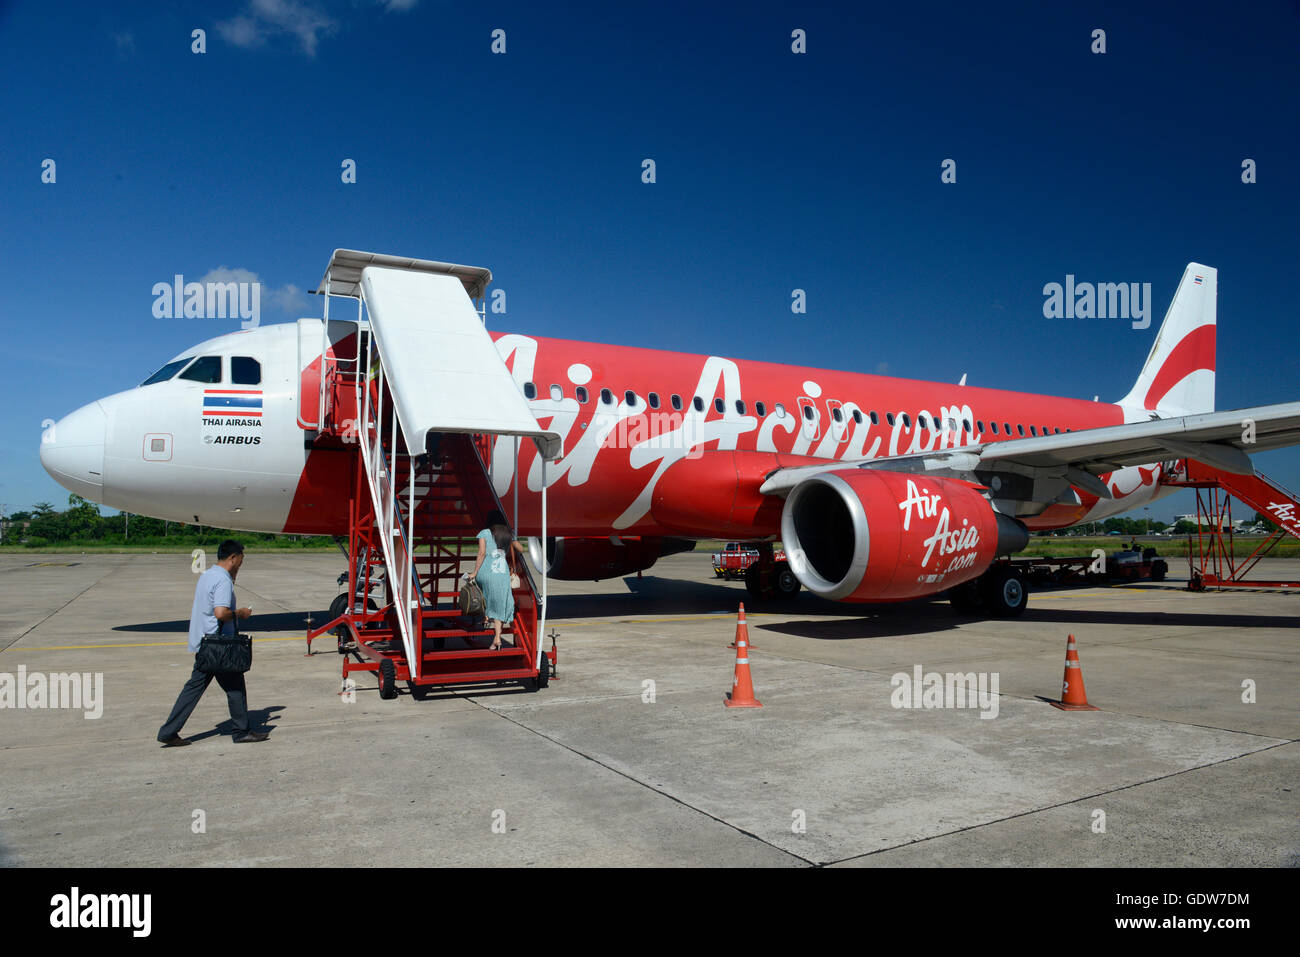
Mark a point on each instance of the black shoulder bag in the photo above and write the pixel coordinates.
(219, 654)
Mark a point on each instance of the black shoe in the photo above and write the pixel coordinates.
(249, 737)
(175, 741)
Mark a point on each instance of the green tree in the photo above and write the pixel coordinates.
(47, 525)
(82, 518)
(143, 525)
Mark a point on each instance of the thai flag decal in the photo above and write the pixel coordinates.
(232, 402)
(1197, 279)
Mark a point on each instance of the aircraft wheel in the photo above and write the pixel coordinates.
(387, 679)
(337, 607)
(1004, 591)
(787, 583)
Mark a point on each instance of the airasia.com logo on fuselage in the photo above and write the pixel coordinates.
(926, 505)
(714, 418)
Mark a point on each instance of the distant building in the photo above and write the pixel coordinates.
(1238, 525)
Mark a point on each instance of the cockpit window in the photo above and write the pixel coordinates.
(245, 371)
(204, 369)
(167, 371)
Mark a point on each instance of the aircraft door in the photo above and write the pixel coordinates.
(810, 419)
(325, 388)
(838, 423)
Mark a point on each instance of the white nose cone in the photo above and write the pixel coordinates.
(72, 451)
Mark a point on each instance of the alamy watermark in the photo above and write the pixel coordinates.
(1102, 300)
(36, 690)
(931, 689)
(669, 431)
(75, 909)
(209, 300)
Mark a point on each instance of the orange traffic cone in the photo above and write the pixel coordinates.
(741, 630)
(742, 688)
(1073, 697)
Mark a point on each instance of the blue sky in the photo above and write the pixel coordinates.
(775, 171)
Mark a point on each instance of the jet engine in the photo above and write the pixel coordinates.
(867, 535)
(591, 559)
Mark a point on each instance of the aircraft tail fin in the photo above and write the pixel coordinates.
(1178, 377)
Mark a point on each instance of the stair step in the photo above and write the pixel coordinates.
(466, 654)
(465, 633)
(477, 676)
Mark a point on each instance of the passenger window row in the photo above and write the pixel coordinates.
(631, 399)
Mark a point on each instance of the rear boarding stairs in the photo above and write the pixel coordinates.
(416, 393)
(1213, 561)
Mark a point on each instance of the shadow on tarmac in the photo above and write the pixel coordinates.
(1089, 616)
(672, 596)
(929, 618)
(280, 621)
(259, 719)
(918, 618)
(650, 595)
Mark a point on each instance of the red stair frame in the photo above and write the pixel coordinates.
(1213, 562)
(454, 496)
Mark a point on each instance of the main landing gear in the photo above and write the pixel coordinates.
(768, 579)
(1001, 591)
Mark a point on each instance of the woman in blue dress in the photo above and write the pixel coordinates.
(492, 571)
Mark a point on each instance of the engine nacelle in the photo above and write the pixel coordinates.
(869, 535)
(591, 559)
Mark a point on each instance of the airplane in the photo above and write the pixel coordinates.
(881, 489)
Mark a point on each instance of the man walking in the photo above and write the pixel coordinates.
(214, 612)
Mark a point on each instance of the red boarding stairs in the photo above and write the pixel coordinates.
(1211, 552)
(442, 500)
(415, 513)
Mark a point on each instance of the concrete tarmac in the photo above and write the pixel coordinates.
(630, 758)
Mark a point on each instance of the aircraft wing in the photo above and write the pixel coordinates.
(1218, 439)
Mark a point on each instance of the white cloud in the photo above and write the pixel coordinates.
(289, 298)
(264, 19)
(304, 20)
(226, 274)
(242, 32)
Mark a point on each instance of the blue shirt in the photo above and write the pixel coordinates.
(215, 587)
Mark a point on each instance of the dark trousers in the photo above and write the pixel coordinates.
(232, 683)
